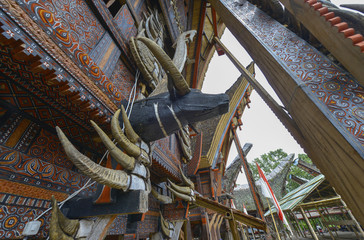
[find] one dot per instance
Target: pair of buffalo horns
(118, 179)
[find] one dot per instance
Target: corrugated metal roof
(296, 196)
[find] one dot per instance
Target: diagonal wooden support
(272, 104)
(253, 188)
(238, 215)
(313, 90)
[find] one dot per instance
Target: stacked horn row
(135, 156)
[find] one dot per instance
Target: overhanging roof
(295, 197)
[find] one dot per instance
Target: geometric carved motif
(166, 157)
(32, 51)
(76, 38)
(21, 168)
(334, 91)
(121, 72)
(48, 148)
(125, 22)
(14, 218)
(46, 113)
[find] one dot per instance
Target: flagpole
(274, 222)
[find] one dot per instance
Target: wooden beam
(253, 188)
(313, 234)
(333, 146)
(198, 45)
(320, 202)
(327, 28)
(133, 13)
(238, 215)
(272, 104)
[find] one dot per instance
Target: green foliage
(270, 160)
(267, 162)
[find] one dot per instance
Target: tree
(271, 160)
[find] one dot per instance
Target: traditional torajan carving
(152, 71)
(152, 118)
(45, 41)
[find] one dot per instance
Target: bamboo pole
(353, 218)
(312, 231)
(323, 218)
(274, 221)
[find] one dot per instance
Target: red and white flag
(268, 193)
(244, 209)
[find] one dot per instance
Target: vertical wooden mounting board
(325, 101)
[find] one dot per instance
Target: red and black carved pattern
(46, 113)
(165, 161)
(176, 210)
(72, 25)
(48, 148)
(29, 131)
(25, 49)
(122, 79)
(125, 22)
(149, 225)
(14, 218)
(118, 226)
(334, 90)
(19, 167)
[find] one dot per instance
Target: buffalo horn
(162, 198)
(186, 180)
(180, 195)
(61, 228)
(129, 131)
(113, 178)
(125, 161)
(184, 190)
(125, 143)
(164, 227)
(179, 82)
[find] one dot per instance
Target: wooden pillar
(353, 218)
(253, 188)
(212, 225)
(205, 235)
(233, 227)
(322, 217)
(312, 231)
(298, 225)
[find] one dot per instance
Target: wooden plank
(343, 47)
(199, 45)
(238, 215)
(301, 76)
(133, 202)
(339, 222)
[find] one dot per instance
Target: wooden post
(249, 176)
(353, 218)
(312, 231)
(205, 226)
(274, 221)
(298, 224)
(322, 217)
(233, 227)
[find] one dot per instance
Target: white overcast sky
(260, 126)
